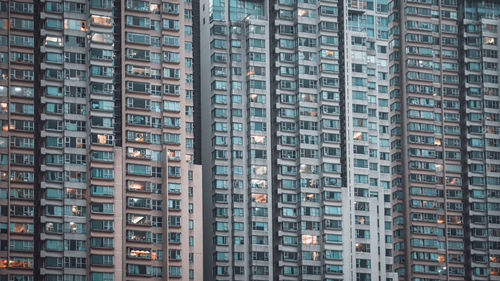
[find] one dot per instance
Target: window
(136, 21)
(170, 24)
(101, 260)
(169, 40)
(101, 276)
(135, 269)
(174, 271)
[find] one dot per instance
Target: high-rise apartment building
(17, 230)
(237, 134)
(99, 180)
(158, 173)
(356, 139)
(480, 137)
(297, 185)
(365, 137)
(444, 139)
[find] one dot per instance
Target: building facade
(340, 140)
(480, 138)
(444, 139)
(100, 177)
(280, 128)
(382, 119)
(235, 126)
(18, 106)
(367, 137)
